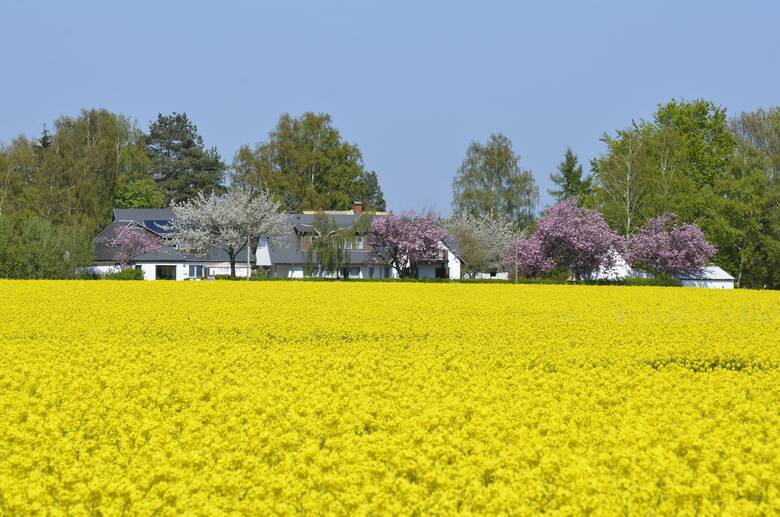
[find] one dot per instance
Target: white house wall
(183, 269)
(499, 275)
(453, 263)
(355, 272)
(263, 253)
(709, 284)
(102, 270)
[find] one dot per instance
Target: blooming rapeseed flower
(279, 398)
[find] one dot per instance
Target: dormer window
(359, 242)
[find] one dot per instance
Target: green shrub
(125, 274)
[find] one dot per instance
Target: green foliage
(125, 274)
(661, 166)
(373, 199)
(705, 135)
(570, 181)
(70, 176)
(760, 131)
(490, 183)
(307, 165)
(180, 163)
(32, 247)
(721, 175)
(742, 215)
(139, 191)
(328, 244)
(256, 276)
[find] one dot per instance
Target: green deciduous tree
(490, 183)
(180, 163)
(760, 130)
(623, 176)
(307, 165)
(716, 173)
(330, 244)
(32, 247)
(139, 191)
(705, 134)
(69, 176)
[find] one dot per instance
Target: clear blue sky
(412, 83)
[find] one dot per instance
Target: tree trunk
(741, 266)
(232, 264)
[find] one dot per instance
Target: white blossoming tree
(483, 240)
(228, 221)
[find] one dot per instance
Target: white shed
(712, 277)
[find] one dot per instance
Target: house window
(165, 272)
(386, 272)
(359, 242)
(354, 272)
(348, 244)
(371, 272)
(196, 271)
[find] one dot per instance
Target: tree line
(689, 160)
(57, 190)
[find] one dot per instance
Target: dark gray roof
(711, 272)
(305, 221)
(123, 217)
(140, 215)
(452, 243)
(284, 250)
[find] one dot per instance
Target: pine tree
(181, 165)
(569, 179)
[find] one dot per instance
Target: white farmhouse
(285, 259)
(167, 263)
(288, 257)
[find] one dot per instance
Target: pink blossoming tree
(570, 237)
(407, 240)
(132, 241)
(526, 258)
(669, 248)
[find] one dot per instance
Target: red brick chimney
(357, 207)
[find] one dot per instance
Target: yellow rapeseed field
(211, 398)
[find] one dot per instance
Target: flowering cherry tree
(132, 241)
(575, 238)
(405, 241)
(229, 221)
(526, 257)
(669, 248)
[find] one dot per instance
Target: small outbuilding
(712, 277)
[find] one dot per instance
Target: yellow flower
(355, 398)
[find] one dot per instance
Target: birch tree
(622, 178)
